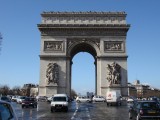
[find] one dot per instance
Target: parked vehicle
(98, 99)
(41, 98)
(20, 99)
(144, 110)
(5, 98)
(14, 98)
(6, 111)
(130, 100)
(83, 99)
(59, 102)
(49, 99)
(29, 101)
(113, 97)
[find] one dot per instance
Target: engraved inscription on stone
(53, 46)
(113, 46)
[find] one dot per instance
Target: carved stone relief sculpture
(52, 73)
(52, 46)
(114, 73)
(113, 46)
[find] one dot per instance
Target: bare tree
(17, 90)
(4, 90)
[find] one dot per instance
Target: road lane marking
(74, 114)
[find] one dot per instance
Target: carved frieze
(113, 46)
(83, 32)
(53, 46)
(72, 41)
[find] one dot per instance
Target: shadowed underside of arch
(83, 47)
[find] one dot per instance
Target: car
(7, 112)
(29, 101)
(98, 99)
(41, 98)
(59, 102)
(130, 100)
(113, 98)
(144, 110)
(83, 99)
(20, 99)
(14, 98)
(49, 99)
(5, 98)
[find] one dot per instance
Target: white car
(130, 100)
(59, 102)
(49, 99)
(99, 99)
(14, 98)
(83, 99)
(20, 99)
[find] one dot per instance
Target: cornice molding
(88, 13)
(83, 25)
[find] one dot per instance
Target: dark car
(29, 101)
(7, 111)
(144, 110)
(5, 98)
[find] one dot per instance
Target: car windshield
(29, 99)
(150, 105)
(22, 97)
(5, 112)
(4, 98)
(59, 99)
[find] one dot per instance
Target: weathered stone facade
(64, 34)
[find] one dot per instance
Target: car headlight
(65, 104)
(52, 104)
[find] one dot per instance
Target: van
(113, 97)
(59, 102)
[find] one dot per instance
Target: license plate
(151, 112)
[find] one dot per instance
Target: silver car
(99, 99)
(6, 111)
(83, 99)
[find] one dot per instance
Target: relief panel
(53, 46)
(114, 46)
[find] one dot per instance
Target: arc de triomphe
(64, 34)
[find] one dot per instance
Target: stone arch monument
(64, 34)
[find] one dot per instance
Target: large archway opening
(83, 73)
(83, 69)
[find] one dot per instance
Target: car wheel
(66, 110)
(52, 110)
(130, 116)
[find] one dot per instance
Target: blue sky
(19, 60)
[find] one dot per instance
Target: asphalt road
(77, 111)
